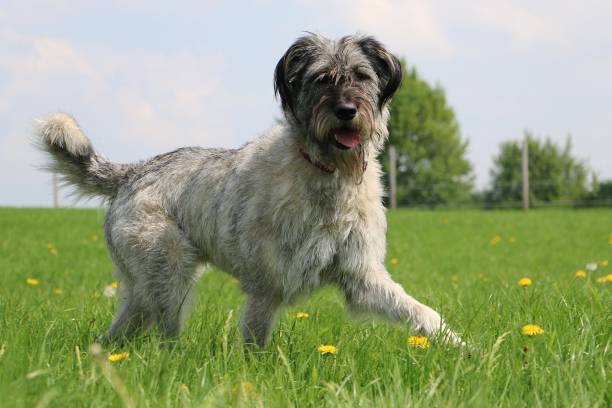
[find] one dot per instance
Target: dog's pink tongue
(349, 139)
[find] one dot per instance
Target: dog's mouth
(347, 139)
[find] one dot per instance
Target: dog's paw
(429, 323)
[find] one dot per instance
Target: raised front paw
(429, 323)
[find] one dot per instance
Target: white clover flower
(109, 291)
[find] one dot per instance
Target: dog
(295, 209)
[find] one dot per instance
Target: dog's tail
(75, 160)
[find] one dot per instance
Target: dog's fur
(291, 211)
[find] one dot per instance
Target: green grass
(446, 259)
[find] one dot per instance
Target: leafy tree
(554, 174)
(432, 168)
(601, 194)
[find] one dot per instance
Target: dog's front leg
(378, 293)
(258, 318)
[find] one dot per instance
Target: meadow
(54, 270)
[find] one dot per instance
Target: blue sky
(144, 77)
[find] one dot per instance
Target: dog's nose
(346, 111)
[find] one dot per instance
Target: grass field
(466, 264)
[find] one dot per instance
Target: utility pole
(55, 192)
(526, 173)
(392, 176)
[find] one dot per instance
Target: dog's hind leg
(159, 266)
(170, 277)
(259, 316)
(378, 293)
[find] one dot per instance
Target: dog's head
(336, 94)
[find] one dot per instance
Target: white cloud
(410, 26)
(146, 102)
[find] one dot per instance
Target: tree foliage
(554, 173)
(432, 168)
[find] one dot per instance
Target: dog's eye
(324, 79)
(362, 76)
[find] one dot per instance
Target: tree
(554, 174)
(432, 168)
(601, 194)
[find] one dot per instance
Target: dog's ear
(388, 68)
(289, 70)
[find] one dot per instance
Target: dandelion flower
(244, 388)
(116, 358)
(523, 282)
(327, 349)
(581, 274)
(394, 261)
(603, 262)
(604, 279)
(58, 291)
(114, 285)
(496, 240)
(531, 330)
(418, 341)
(302, 315)
(591, 266)
(32, 281)
(52, 249)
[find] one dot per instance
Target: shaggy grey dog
(295, 209)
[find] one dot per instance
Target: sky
(145, 77)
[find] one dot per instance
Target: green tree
(432, 168)
(554, 173)
(601, 195)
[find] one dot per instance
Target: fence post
(55, 192)
(392, 177)
(525, 173)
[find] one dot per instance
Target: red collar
(320, 165)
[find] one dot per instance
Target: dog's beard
(332, 149)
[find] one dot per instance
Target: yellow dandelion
(531, 330)
(580, 274)
(302, 315)
(418, 341)
(327, 349)
(32, 281)
(244, 388)
(603, 262)
(114, 285)
(394, 261)
(495, 240)
(604, 279)
(524, 282)
(58, 291)
(116, 358)
(52, 249)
